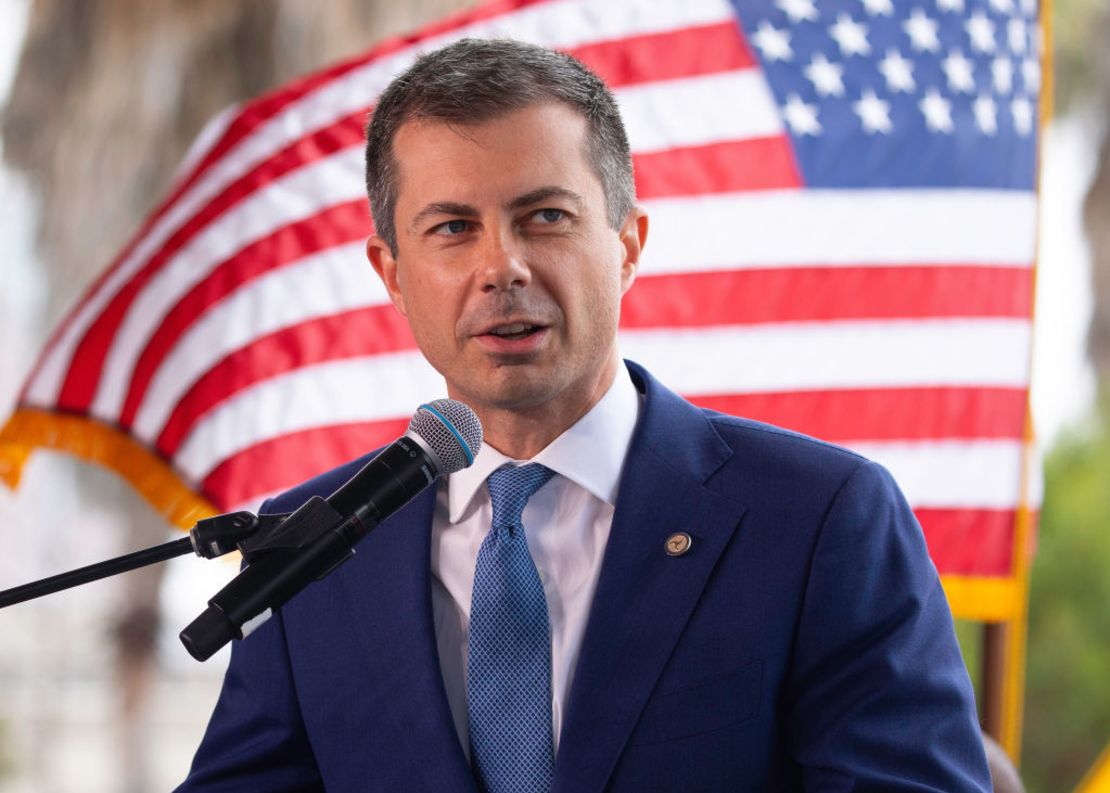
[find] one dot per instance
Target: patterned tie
(508, 678)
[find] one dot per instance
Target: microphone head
(450, 430)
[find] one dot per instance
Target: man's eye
(452, 227)
(549, 215)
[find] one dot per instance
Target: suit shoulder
(750, 431)
(778, 450)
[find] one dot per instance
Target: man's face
(506, 267)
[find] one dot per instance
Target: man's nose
(503, 265)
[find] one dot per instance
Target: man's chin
(510, 390)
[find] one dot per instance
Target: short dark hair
(476, 80)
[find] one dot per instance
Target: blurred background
(100, 102)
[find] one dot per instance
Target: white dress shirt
(566, 524)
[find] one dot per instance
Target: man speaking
(623, 592)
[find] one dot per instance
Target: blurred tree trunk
(109, 94)
(1096, 210)
(107, 97)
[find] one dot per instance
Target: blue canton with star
(904, 93)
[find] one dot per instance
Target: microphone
(443, 437)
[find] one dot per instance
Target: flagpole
(1005, 643)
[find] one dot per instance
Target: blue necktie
(508, 677)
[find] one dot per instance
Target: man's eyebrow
(443, 208)
(542, 194)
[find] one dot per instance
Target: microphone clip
(291, 530)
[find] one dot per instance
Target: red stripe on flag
(730, 166)
(367, 331)
(88, 360)
(807, 294)
(970, 542)
(334, 226)
(876, 414)
(669, 55)
(285, 461)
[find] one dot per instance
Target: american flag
(843, 211)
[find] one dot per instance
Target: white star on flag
(1031, 73)
(827, 78)
(956, 6)
(772, 42)
(1002, 6)
(937, 111)
(850, 35)
(1017, 33)
(873, 113)
(801, 118)
(798, 10)
(1022, 110)
(986, 114)
(898, 72)
(922, 31)
(958, 70)
(981, 32)
(884, 8)
(1003, 73)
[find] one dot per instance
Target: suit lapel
(644, 596)
(388, 595)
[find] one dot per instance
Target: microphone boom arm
(208, 539)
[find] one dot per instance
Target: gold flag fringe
(983, 599)
(99, 443)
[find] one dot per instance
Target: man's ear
(633, 237)
(385, 265)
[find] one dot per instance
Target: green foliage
(970, 636)
(1080, 27)
(1067, 705)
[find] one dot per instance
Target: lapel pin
(678, 543)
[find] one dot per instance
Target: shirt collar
(590, 453)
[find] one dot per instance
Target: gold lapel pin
(678, 543)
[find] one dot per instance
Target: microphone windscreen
(451, 430)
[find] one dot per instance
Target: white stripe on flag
(805, 228)
(829, 355)
(982, 474)
(574, 23)
(339, 279)
(349, 390)
(699, 110)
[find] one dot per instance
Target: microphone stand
(208, 539)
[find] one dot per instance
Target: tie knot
(510, 487)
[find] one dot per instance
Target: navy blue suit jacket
(802, 643)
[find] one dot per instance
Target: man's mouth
(517, 330)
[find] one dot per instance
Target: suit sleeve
(879, 696)
(256, 738)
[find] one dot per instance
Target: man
(720, 604)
